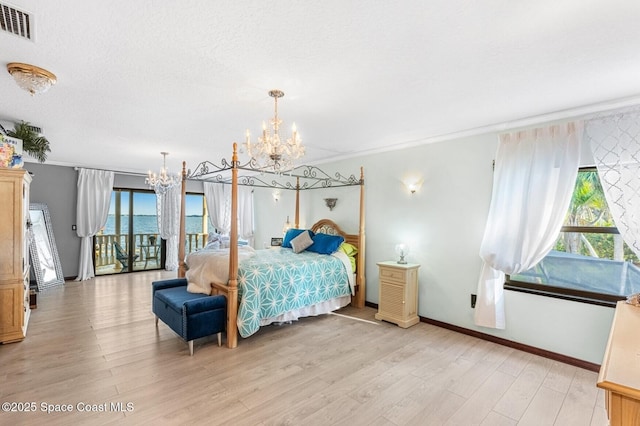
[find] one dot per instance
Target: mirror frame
(33, 249)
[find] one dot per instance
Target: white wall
(443, 222)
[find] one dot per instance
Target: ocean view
(148, 224)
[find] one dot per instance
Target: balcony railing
(105, 253)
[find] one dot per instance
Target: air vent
(35, 129)
(16, 22)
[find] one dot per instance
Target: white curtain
(245, 213)
(218, 198)
(92, 209)
(615, 142)
(533, 183)
(168, 208)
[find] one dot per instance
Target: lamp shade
(402, 250)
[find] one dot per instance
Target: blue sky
(145, 203)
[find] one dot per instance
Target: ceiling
(190, 77)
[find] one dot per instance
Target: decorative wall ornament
(331, 203)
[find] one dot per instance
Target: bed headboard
(327, 226)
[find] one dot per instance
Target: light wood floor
(95, 342)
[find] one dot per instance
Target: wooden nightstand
(398, 293)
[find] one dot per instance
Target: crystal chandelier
(33, 79)
(270, 152)
(162, 181)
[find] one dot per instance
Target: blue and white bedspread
(275, 284)
(276, 281)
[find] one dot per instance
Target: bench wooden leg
(191, 347)
(219, 339)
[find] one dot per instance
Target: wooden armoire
(14, 254)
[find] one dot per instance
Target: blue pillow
(325, 244)
(291, 234)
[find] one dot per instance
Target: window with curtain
(196, 222)
(590, 261)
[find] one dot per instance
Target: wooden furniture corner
(619, 373)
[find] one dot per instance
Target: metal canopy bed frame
(311, 178)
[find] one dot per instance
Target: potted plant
(33, 143)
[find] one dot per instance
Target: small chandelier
(162, 181)
(270, 152)
(33, 79)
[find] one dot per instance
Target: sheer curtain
(245, 213)
(217, 196)
(168, 208)
(535, 174)
(615, 143)
(92, 209)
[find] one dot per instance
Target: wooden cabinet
(619, 375)
(398, 293)
(14, 254)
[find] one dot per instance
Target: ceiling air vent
(35, 129)
(16, 22)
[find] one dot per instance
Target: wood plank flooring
(94, 345)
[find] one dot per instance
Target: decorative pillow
(291, 234)
(213, 245)
(301, 242)
(350, 250)
(326, 244)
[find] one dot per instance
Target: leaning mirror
(44, 254)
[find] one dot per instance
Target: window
(590, 262)
(196, 222)
(130, 241)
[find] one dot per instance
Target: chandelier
(270, 152)
(163, 181)
(33, 79)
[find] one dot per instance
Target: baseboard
(509, 343)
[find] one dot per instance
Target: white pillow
(301, 242)
(213, 245)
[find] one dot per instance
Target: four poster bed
(278, 284)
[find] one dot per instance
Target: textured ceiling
(189, 77)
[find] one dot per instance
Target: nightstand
(398, 293)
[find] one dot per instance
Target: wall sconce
(276, 195)
(413, 185)
(330, 202)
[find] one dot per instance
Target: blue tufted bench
(190, 315)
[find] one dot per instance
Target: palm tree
(32, 143)
(588, 208)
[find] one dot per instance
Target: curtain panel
(535, 173)
(245, 214)
(92, 209)
(218, 199)
(168, 212)
(614, 138)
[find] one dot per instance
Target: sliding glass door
(130, 241)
